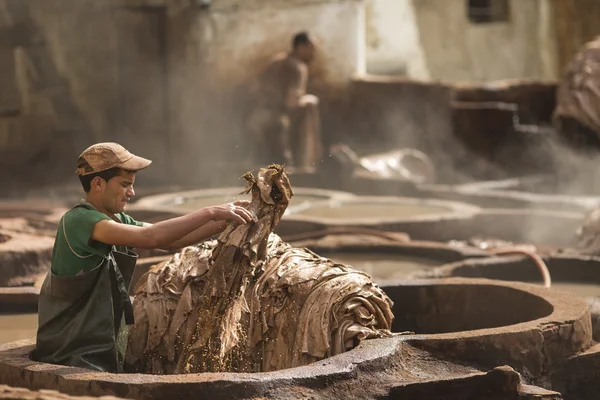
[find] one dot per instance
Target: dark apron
(81, 317)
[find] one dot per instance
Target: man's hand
(309, 99)
(235, 212)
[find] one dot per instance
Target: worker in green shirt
(84, 304)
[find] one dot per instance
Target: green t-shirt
(74, 251)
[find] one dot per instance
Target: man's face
(307, 52)
(118, 192)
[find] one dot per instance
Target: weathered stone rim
(531, 347)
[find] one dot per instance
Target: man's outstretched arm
(170, 234)
(198, 235)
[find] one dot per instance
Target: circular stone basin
(366, 209)
(366, 251)
(544, 228)
(381, 266)
(373, 209)
(455, 321)
(184, 202)
(509, 194)
(369, 207)
(576, 274)
(439, 309)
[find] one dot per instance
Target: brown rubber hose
(540, 264)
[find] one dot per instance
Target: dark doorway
(486, 11)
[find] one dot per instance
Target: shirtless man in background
(285, 123)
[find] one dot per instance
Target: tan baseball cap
(103, 156)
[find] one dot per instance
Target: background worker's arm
(297, 83)
(166, 233)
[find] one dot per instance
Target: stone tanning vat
(467, 338)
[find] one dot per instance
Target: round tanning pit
(421, 219)
(365, 209)
(381, 266)
(382, 258)
(463, 327)
(574, 274)
(579, 275)
(532, 192)
(437, 309)
(185, 202)
(157, 208)
(434, 219)
(543, 228)
(491, 323)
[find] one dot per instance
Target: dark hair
(86, 180)
(301, 38)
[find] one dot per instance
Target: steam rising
(174, 84)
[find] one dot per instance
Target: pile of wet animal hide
(250, 302)
(578, 95)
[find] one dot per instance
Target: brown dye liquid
(15, 327)
(372, 210)
(194, 203)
